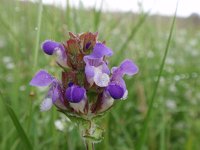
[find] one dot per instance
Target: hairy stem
(89, 144)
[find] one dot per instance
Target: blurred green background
(174, 122)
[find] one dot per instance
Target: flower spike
(87, 88)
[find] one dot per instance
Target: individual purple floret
(115, 91)
(75, 93)
(54, 96)
(54, 48)
(96, 68)
(117, 86)
(76, 96)
(49, 46)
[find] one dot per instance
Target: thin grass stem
(152, 99)
(39, 22)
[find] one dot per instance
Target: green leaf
(17, 124)
(18, 127)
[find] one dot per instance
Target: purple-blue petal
(100, 50)
(49, 46)
(88, 59)
(89, 71)
(56, 93)
(126, 67)
(115, 91)
(118, 81)
(105, 68)
(42, 78)
(89, 67)
(75, 94)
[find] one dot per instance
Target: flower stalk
(89, 144)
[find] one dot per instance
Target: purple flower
(76, 96)
(106, 102)
(83, 60)
(117, 86)
(54, 96)
(100, 50)
(54, 48)
(96, 68)
(49, 47)
(41, 78)
(115, 91)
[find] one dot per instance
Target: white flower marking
(101, 79)
(46, 104)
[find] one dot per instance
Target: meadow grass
(174, 121)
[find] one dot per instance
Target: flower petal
(101, 79)
(105, 68)
(56, 92)
(125, 95)
(97, 71)
(91, 68)
(107, 102)
(126, 67)
(89, 72)
(92, 61)
(56, 95)
(49, 46)
(79, 107)
(115, 91)
(42, 78)
(54, 48)
(75, 94)
(100, 50)
(46, 104)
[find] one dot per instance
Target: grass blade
(76, 21)
(68, 14)
(17, 124)
(148, 116)
(39, 22)
(97, 16)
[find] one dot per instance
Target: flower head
(88, 87)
